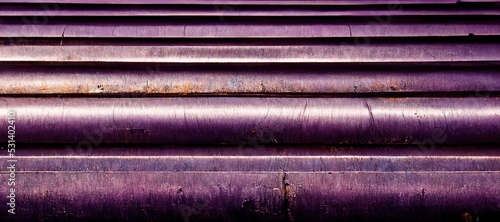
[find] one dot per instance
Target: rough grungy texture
(246, 80)
(283, 184)
(252, 110)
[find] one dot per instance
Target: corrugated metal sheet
(243, 110)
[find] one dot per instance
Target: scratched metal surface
(224, 183)
(249, 27)
(175, 80)
(230, 120)
(229, 11)
(252, 110)
(256, 53)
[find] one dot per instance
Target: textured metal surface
(300, 158)
(246, 80)
(246, 53)
(224, 184)
(239, 11)
(250, 110)
(232, 120)
(247, 28)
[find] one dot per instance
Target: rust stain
(395, 99)
(377, 87)
(186, 88)
(149, 88)
(394, 85)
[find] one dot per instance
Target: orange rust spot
(149, 88)
(377, 87)
(66, 88)
(394, 85)
(186, 88)
(180, 89)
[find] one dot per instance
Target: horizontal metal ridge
(245, 80)
(249, 2)
(248, 30)
(223, 12)
(271, 158)
(258, 196)
(230, 120)
(309, 182)
(335, 53)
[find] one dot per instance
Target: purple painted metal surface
(284, 184)
(229, 11)
(232, 120)
(241, 10)
(251, 110)
(246, 53)
(248, 2)
(63, 27)
(246, 80)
